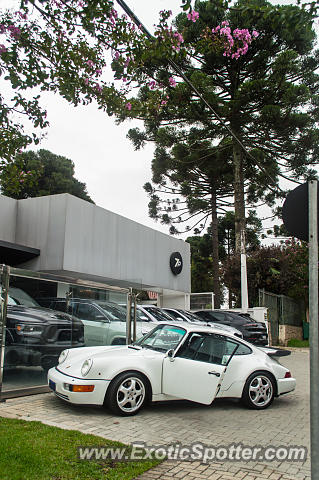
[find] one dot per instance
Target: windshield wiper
(135, 347)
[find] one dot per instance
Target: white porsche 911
(171, 362)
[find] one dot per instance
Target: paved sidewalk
(225, 422)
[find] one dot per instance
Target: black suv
(37, 336)
(253, 332)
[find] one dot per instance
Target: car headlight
(63, 356)
(86, 366)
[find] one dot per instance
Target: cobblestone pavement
(222, 423)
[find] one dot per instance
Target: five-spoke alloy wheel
(127, 393)
(259, 390)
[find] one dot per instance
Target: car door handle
(217, 374)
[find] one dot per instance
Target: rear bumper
(61, 383)
(286, 385)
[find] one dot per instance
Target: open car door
(197, 369)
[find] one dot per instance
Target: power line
(178, 70)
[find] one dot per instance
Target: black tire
(259, 391)
(127, 394)
(48, 362)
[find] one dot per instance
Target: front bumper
(61, 382)
(286, 385)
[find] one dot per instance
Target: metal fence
(201, 301)
(282, 310)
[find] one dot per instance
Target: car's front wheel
(127, 394)
(259, 391)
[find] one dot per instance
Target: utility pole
(314, 332)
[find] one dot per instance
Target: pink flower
(98, 87)
(3, 49)
(172, 82)
(116, 55)
(98, 72)
(86, 81)
(21, 15)
(90, 63)
(193, 16)
(152, 84)
(15, 32)
(255, 34)
(128, 106)
(163, 102)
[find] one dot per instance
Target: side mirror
(170, 354)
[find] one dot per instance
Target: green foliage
(201, 263)
(269, 98)
(280, 269)
(35, 174)
(294, 342)
(226, 233)
(33, 451)
(202, 269)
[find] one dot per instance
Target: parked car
(156, 314)
(185, 316)
(17, 296)
(36, 336)
(173, 361)
(104, 322)
(252, 331)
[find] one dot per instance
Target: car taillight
(288, 375)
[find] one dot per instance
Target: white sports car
(171, 362)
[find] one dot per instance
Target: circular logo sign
(176, 263)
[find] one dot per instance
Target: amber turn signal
(82, 388)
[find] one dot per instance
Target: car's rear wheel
(259, 391)
(127, 394)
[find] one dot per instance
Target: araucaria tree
(267, 96)
(253, 63)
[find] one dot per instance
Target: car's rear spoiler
(275, 352)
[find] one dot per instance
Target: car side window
(243, 350)
(218, 316)
(172, 313)
(87, 312)
(208, 348)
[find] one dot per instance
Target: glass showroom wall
(41, 315)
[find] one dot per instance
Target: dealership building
(65, 236)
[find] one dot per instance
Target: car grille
(63, 333)
(65, 397)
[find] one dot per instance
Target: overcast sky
(104, 158)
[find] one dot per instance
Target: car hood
(100, 355)
(39, 315)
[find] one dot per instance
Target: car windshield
(159, 314)
(20, 297)
(140, 316)
(112, 310)
(191, 316)
(162, 338)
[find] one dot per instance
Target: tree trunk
(215, 249)
(239, 195)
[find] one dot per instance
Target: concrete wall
(287, 332)
(8, 214)
(80, 239)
